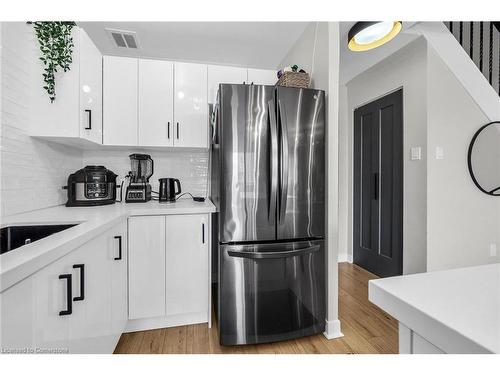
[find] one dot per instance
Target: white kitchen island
(451, 311)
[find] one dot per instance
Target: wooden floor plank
(366, 328)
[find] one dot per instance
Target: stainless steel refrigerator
(268, 184)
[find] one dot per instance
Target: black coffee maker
(168, 190)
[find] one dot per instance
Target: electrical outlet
(493, 250)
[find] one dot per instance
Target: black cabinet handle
(82, 282)
(119, 238)
(89, 126)
(69, 295)
(168, 130)
(177, 130)
(203, 233)
(375, 186)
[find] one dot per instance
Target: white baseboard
(166, 321)
(332, 329)
(345, 258)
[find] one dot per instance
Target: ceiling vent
(123, 38)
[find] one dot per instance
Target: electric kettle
(168, 190)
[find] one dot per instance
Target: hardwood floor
(366, 328)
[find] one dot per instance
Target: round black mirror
(484, 158)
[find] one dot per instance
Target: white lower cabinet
(168, 271)
(187, 264)
(146, 266)
(74, 304)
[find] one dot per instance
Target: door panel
(190, 103)
(156, 103)
(119, 101)
(378, 185)
(247, 211)
(90, 323)
(90, 89)
(118, 260)
(271, 292)
(146, 266)
(186, 265)
(301, 199)
(51, 329)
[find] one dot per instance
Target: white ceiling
(354, 63)
(250, 44)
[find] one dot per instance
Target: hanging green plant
(56, 47)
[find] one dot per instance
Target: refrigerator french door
(268, 184)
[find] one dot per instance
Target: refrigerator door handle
(273, 254)
(284, 162)
(273, 158)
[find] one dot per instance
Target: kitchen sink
(16, 236)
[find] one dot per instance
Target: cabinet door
(60, 118)
(223, 74)
(117, 256)
(90, 323)
(156, 103)
(190, 105)
(262, 77)
(186, 264)
(90, 90)
(17, 314)
(119, 101)
(146, 266)
(51, 329)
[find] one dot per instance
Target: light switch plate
(439, 153)
(493, 250)
(416, 153)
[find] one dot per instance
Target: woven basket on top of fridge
(294, 79)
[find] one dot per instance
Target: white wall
(310, 52)
(407, 69)
(189, 166)
(32, 172)
(462, 221)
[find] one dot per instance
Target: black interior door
(378, 185)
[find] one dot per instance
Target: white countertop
(457, 310)
(24, 261)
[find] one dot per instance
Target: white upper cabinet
(90, 90)
(190, 105)
(262, 77)
(156, 103)
(120, 89)
(223, 74)
(76, 110)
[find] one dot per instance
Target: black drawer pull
(119, 238)
(168, 130)
(89, 126)
(69, 295)
(177, 130)
(203, 233)
(82, 282)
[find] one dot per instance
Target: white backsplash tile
(189, 166)
(32, 171)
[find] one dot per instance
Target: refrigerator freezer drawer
(271, 292)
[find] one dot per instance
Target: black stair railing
(481, 41)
